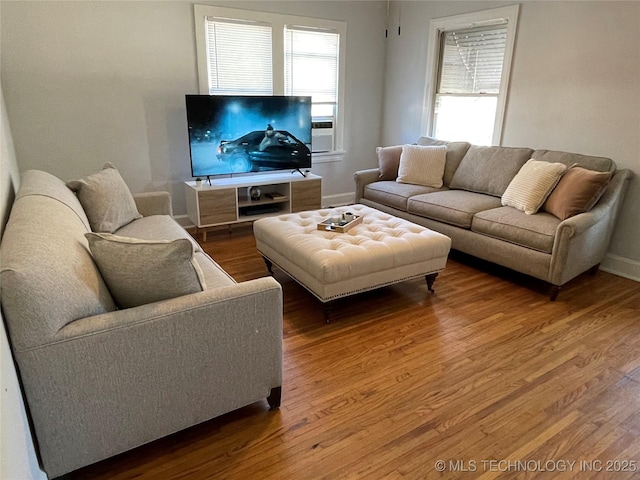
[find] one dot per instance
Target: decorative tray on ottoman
(340, 227)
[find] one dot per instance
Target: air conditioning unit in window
(322, 136)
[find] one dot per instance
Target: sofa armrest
(153, 203)
(582, 240)
(364, 178)
(114, 381)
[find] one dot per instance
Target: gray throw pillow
(106, 200)
(138, 272)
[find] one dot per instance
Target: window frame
(468, 20)
(278, 23)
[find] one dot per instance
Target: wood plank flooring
(486, 375)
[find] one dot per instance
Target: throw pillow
(138, 272)
(532, 185)
(489, 169)
(389, 161)
(578, 191)
(422, 165)
(106, 200)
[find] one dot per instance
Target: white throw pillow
(106, 200)
(532, 185)
(138, 272)
(422, 165)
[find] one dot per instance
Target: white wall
(88, 82)
(17, 453)
(575, 86)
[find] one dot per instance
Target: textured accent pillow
(138, 272)
(577, 191)
(422, 165)
(388, 161)
(106, 200)
(532, 185)
(455, 153)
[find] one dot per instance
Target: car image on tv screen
(264, 149)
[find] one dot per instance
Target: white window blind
(469, 78)
(239, 57)
(311, 59)
(472, 60)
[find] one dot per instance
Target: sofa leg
(553, 294)
(430, 279)
(593, 270)
(275, 397)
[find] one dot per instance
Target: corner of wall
(17, 451)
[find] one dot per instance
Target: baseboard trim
(338, 199)
(621, 266)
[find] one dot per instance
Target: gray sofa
(468, 209)
(100, 380)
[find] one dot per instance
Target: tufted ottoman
(380, 251)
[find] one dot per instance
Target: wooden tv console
(226, 201)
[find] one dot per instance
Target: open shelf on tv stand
(226, 201)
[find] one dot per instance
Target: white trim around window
(507, 15)
(278, 23)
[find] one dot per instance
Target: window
(311, 68)
(257, 53)
(469, 64)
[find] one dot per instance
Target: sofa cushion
(578, 191)
(156, 227)
(532, 185)
(489, 169)
(456, 207)
(422, 165)
(145, 271)
(600, 164)
(507, 223)
(455, 153)
(389, 161)
(106, 199)
(48, 277)
(394, 194)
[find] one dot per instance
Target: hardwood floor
(484, 372)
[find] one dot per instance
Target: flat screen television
(231, 134)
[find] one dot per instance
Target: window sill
(326, 157)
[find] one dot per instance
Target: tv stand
(304, 174)
(226, 201)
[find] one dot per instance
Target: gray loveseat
(100, 380)
(468, 209)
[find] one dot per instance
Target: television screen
(238, 134)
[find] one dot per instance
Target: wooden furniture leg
(430, 279)
(553, 294)
(269, 265)
(275, 397)
(326, 310)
